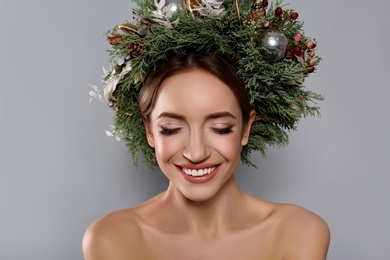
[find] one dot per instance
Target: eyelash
(222, 131)
(172, 131)
(169, 131)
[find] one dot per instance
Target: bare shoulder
(305, 234)
(114, 236)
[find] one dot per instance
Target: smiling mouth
(199, 172)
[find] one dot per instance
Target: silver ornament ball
(276, 43)
(176, 4)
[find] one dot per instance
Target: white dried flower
(95, 93)
(112, 81)
(211, 8)
(113, 133)
(164, 13)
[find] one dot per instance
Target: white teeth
(200, 172)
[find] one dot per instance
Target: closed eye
(222, 131)
(169, 131)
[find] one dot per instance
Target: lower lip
(200, 179)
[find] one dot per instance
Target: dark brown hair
(223, 68)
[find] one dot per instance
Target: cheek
(166, 147)
(228, 146)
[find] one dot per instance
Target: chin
(200, 195)
(203, 192)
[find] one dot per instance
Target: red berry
(289, 54)
(311, 45)
(279, 11)
(265, 3)
(294, 15)
(297, 50)
(298, 37)
(310, 70)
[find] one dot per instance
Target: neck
(210, 217)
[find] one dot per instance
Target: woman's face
(197, 131)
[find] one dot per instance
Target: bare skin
(211, 219)
(171, 227)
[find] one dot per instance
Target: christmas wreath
(273, 57)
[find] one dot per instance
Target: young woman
(197, 137)
(195, 91)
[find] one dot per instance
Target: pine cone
(257, 14)
(115, 39)
(135, 48)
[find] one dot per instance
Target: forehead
(196, 93)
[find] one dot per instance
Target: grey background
(59, 171)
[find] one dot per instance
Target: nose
(196, 149)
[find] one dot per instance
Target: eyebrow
(210, 116)
(219, 115)
(171, 115)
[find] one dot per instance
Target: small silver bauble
(276, 43)
(175, 4)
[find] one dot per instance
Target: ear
(149, 133)
(247, 128)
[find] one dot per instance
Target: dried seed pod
(115, 39)
(127, 28)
